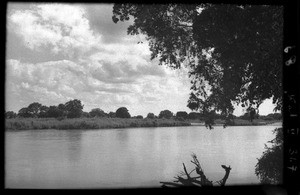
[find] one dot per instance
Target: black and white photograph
(121, 96)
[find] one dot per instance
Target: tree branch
(200, 180)
(227, 171)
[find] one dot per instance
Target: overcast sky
(59, 52)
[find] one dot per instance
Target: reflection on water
(129, 157)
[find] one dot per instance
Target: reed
(88, 123)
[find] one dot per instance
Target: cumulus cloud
(58, 81)
(99, 72)
(63, 27)
(100, 18)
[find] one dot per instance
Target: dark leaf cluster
(269, 168)
(233, 52)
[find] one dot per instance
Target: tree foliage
(55, 112)
(182, 114)
(97, 112)
(269, 168)
(24, 112)
(10, 114)
(165, 114)
(122, 113)
(85, 114)
(73, 108)
(139, 117)
(195, 115)
(250, 114)
(43, 111)
(150, 115)
(112, 115)
(272, 116)
(35, 108)
(233, 52)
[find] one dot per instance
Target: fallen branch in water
(200, 180)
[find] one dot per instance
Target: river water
(130, 158)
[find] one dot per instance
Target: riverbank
(110, 123)
(255, 122)
(88, 123)
(239, 122)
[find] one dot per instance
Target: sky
(60, 52)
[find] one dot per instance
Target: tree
(165, 114)
(122, 113)
(62, 107)
(10, 114)
(150, 115)
(55, 112)
(252, 114)
(25, 112)
(233, 52)
(249, 115)
(73, 108)
(97, 112)
(139, 117)
(275, 116)
(209, 119)
(85, 114)
(43, 112)
(34, 109)
(112, 115)
(270, 164)
(182, 114)
(195, 115)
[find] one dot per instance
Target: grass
(242, 122)
(88, 123)
(108, 123)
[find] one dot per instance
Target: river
(131, 157)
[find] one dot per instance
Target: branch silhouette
(185, 178)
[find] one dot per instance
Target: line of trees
(71, 109)
(74, 109)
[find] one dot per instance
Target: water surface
(133, 157)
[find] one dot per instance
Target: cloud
(55, 82)
(123, 71)
(45, 81)
(100, 18)
(63, 27)
(100, 72)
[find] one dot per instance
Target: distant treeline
(74, 109)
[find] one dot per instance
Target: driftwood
(199, 180)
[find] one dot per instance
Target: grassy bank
(240, 122)
(107, 123)
(88, 123)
